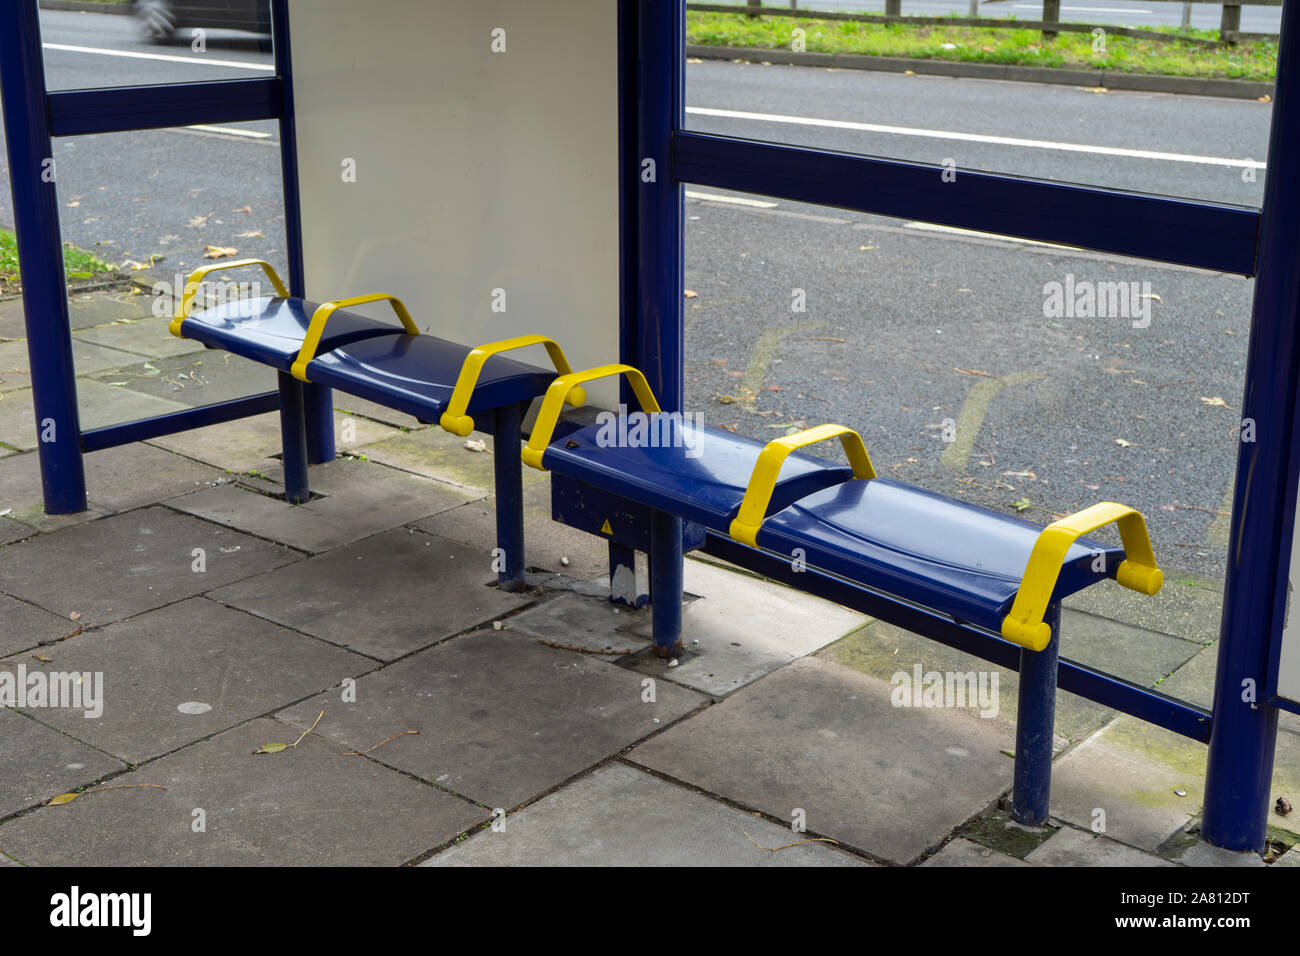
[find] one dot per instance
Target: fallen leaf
(253, 234)
(271, 748)
(473, 444)
(1122, 443)
(219, 252)
(865, 248)
(691, 295)
(243, 209)
(1216, 401)
(62, 799)
(198, 221)
(1020, 505)
(43, 659)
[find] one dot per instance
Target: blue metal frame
(1239, 775)
(40, 251)
(1200, 234)
(33, 117)
(651, 76)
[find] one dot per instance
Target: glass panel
(157, 41)
(1196, 146)
(1029, 379)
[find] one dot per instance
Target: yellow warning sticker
(605, 528)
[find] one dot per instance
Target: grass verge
(1246, 61)
(81, 266)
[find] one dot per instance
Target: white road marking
(231, 131)
(979, 138)
(130, 55)
(973, 233)
(734, 200)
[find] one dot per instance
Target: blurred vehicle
(160, 19)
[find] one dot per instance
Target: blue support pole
(508, 475)
(1035, 727)
(40, 253)
(1240, 767)
(660, 328)
(666, 583)
(293, 439)
(318, 401)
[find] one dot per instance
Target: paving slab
(20, 494)
(1071, 847)
(889, 781)
(590, 623)
(305, 806)
(1144, 657)
(745, 627)
(11, 530)
(24, 625)
(1133, 771)
(187, 671)
(1291, 858)
(386, 596)
(195, 378)
(351, 405)
(253, 444)
(37, 763)
(85, 310)
(500, 720)
(548, 543)
(619, 816)
(148, 338)
(1194, 683)
(1188, 610)
(436, 453)
(965, 853)
(88, 359)
(117, 479)
(1202, 854)
(364, 499)
(116, 567)
(100, 406)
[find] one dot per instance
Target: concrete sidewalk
(420, 715)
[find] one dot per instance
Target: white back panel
(475, 170)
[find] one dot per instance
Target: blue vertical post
(1244, 731)
(508, 476)
(40, 254)
(293, 439)
(318, 401)
(660, 353)
(1035, 727)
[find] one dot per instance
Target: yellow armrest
(198, 275)
(753, 507)
(1023, 624)
(316, 328)
(454, 418)
(549, 414)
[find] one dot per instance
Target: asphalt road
(904, 327)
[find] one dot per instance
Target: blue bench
(992, 572)
(430, 378)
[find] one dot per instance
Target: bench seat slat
(701, 474)
(955, 558)
(270, 329)
(416, 374)
(924, 547)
